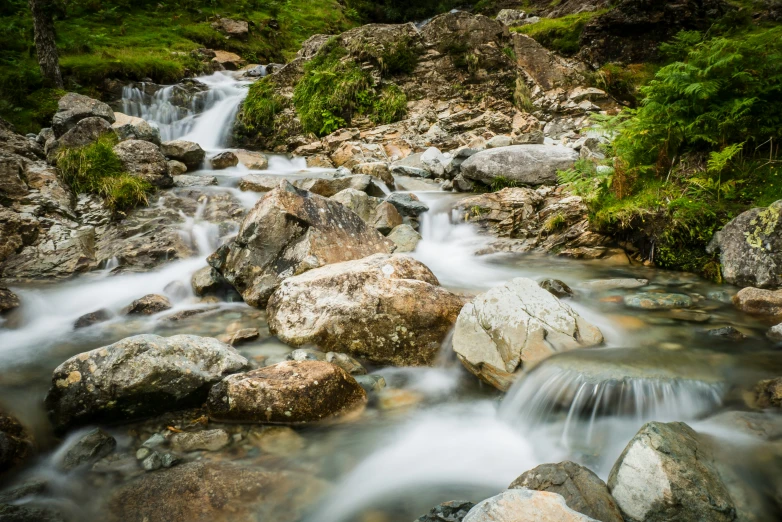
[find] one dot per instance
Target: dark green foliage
(262, 106)
(560, 34)
(397, 11)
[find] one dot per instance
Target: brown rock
(8, 300)
(768, 393)
(148, 305)
(229, 61)
(252, 160)
(234, 28)
(386, 218)
(144, 159)
(16, 443)
(759, 302)
(224, 160)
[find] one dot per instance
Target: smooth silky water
(450, 437)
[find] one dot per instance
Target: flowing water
(440, 435)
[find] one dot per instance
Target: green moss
(559, 34)
(390, 106)
(262, 106)
(125, 192)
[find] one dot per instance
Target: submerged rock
(188, 152)
(289, 232)
(655, 301)
(516, 505)
(525, 164)
(88, 449)
(205, 440)
(768, 393)
(137, 377)
(582, 490)
(666, 474)
(512, 327)
(290, 392)
(756, 301)
(614, 284)
(388, 309)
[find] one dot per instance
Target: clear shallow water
(435, 434)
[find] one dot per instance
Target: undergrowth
(560, 34)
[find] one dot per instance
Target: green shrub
(559, 34)
(390, 106)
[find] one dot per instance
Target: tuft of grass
(125, 192)
(560, 34)
(501, 182)
(262, 106)
(390, 106)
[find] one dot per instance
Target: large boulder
(72, 108)
(756, 301)
(387, 309)
(512, 327)
(137, 377)
(144, 160)
(289, 232)
(188, 152)
(516, 505)
(524, 164)
(133, 128)
(16, 443)
(666, 474)
(252, 160)
(582, 490)
(290, 392)
(85, 132)
(750, 248)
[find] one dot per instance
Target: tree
(45, 45)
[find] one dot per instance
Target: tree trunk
(45, 45)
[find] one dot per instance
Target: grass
(262, 106)
(560, 34)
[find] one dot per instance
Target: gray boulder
(224, 160)
(666, 474)
(407, 204)
(289, 232)
(137, 377)
(133, 128)
(72, 108)
(517, 505)
(144, 160)
(523, 164)
(405, 238)
(188, 152)
(85, 132)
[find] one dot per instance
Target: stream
(441, 435)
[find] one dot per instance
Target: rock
(452, 511)
(234, 28)
(511, 17)
(8, 300)
(462, 185)
(665, 474)
(499, 141)
(176, 168)
(386, 218)
(524, 164)
(144, 160)
(371, 383)
(290, 392)
(376, 169)
(655, 301)
(87, 450)
(388, 309)
(224, 160)
(137, 377)
(153, 462)
(228, 61)
(762, 425)
(16, 443)
(556, 287)
(759, 302)
(207, 491)
(614, 284)
(208, 281)
(252, 160)
(186, 181)
(346, 362)
(582, 490)
(92, 318)
(768, 393)
(278, 440)
(72, 108)
(728, 333)
(188, 152)
(133, 128)
(512, 327)
(206, 440)
(434, 162)
(359, 202)
(774, 333)
(288, 232)
(242, 336)
(148, 305)
(28, 513)
(750, 248)
(85, 132)
(307, 354)
(407, 204)
(323, 186)
(517, 505)
(405, 238)
(413, 172)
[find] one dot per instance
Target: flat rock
(148, 305)
(524, 164)
(185, 181)
(655, 301)
(757, 301)
(205, 440)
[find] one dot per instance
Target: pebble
(152, 462)
(614, 284)
(371, 383)
(556, 287)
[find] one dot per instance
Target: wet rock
(144, 159)
(153, 462)
(523, 504)
(136, 377)
(665, 473)
(225, 60)
(188, 152)
(774, 333)
(407, 204)
(388, 309)
(556, 287)
(763, 425)
(655, 301)
(194, 181)
(85, 132)
(277, 440)
(376, 169)
(88, 449)
(512, 327)
(525, 164)
(29, 513)
(252, 160)
(208, 281)
(688, 316)
(371, 383)
(290, 392)
(288, 232)
(176, 168)
(768, 393)
(306, 354)
(582, 490)
(359, 202)
(148, 305)
(346, 362)
(727, 332)
(233, 28)
(405, 237)
(614, 284)
(16, 443)
(386, 218)
(750, 248)
(214, 490)
(759, 302)
(245, 335)
(323, 186)
(8, 300)
(133, 128)
(72, 108)
(452, 511)
(206, 440)
(224, 160)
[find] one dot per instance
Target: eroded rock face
(138, 376)
(188, 152)
(290, 392)
(526, 164)
(387, 309)
(289, 232)
(72, 108)
(515, 505)
(144, 159)
(582, 490)
(750, 248)
(666, 474)
(515, 326)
